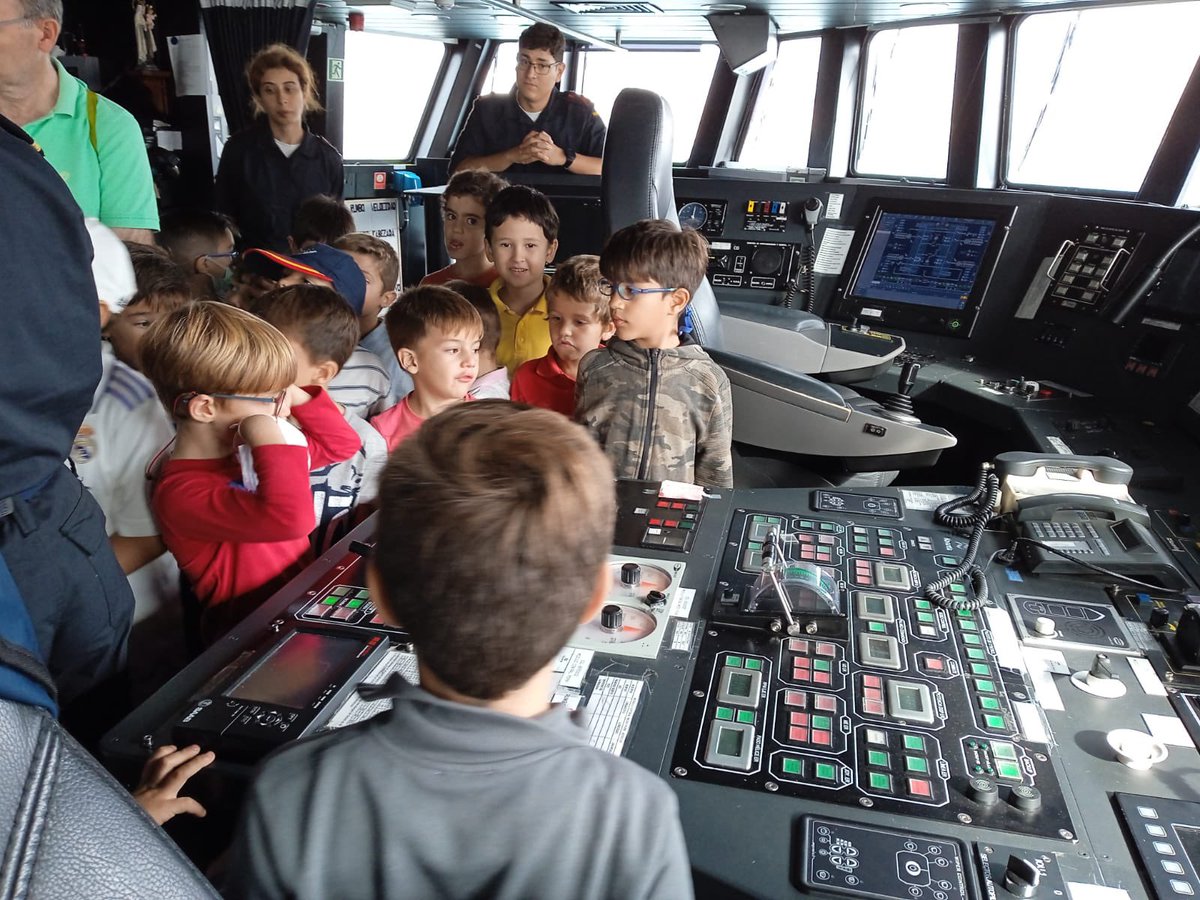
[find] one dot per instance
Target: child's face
(125, 332)
(521, 252)
(379, 296)
(443, 365)
(462, 227)
(575, 329)
(647, 319)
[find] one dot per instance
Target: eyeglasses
(541, 68)
(224, 259)
(277, 399)
(628, 292)
(15, 21)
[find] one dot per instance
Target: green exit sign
(337, 69)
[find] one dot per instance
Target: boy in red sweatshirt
(237, 521)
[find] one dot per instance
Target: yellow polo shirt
(522, 338)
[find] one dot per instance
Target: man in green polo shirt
(94, 144)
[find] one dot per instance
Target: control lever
(772, 563)
(1021, 877)
(900, 402)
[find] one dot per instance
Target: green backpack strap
(93, 100)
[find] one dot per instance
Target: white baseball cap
(111, 267)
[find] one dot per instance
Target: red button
(822, 738)
(825, 539)
(824, 649)
(822, 556)
(873, 707)
(672, 523)
(862, 565)
(872, 681)
(934, 664)
(807, 553)
(799, 735)
(799, 719)
(796, 698)
(919, 787)
(802, 662)
(821, 677)
(825, 703)
(805, 538)
(663, 504)
(676, 506)
(862, 579)
(873, 693)
(800, 674)
(656, 521)
(798, 646)
(886, 551)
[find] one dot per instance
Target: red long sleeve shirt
(235, 544)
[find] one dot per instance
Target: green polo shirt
(111, 182)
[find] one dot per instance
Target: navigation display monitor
(299, 670)
(924, 266)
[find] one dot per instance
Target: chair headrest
(636, 179)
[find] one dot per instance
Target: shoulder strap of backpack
(93, 100)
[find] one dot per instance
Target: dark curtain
(237, 29)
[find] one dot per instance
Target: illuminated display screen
(729, 742)
(298, 671)
(909, 699)
(739, 685)
(1189, 839)
(925, 260)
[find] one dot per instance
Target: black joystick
(1021, 877)
(983, 791)
(631, 574)
(1026, 799)
(1187, 634)
(901, 402)
(611, 617)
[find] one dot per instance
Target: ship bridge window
(1093, 90)
(681, 76)
(503, 72)
(781, 123)
(908, 86)
(1190, 196)
(377, 66)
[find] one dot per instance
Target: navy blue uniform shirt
(497, 123)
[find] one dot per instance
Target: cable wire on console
(984, 499)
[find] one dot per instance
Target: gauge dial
(693, 215)
(651, 578)
(635, 625)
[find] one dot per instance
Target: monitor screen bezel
(850, 305)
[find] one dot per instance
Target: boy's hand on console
(259, 431)
(163, 777)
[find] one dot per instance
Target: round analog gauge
(635, 625)
(652, 579)
(693, 215)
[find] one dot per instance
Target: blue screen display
(923, 260)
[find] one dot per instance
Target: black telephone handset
(1106, 531)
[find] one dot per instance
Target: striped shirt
(363, 386)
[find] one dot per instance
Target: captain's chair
(776, 408)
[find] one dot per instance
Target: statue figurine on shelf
(144, 17)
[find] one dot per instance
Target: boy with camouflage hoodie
(653, 398)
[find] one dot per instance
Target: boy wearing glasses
(535, 127)
(655, 401)
(202, 242)
(227, 377)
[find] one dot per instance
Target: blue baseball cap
(325, 263)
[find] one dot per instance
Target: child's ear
(407, 359)
(551, 250)
(609, 330)
(324, 372)
(389, 298)
(599, 593)
(201, 408)
(678, 300)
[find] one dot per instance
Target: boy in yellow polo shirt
(522, 235)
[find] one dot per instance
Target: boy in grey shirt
(473, 785)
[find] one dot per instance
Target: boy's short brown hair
(189, 233)
(579, 279)
(208, 347)
(379, 250)
(162, 284)
(478, 183)
(314, 316)
(478, 478)
(425, 307)
(320, 219)
(543, 36)
(656, 250)
(520, 201)
(481, 298)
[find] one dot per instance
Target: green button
(331, 601)
(967, 625)
(807, 524)
(877, 758)
(828, 526)
(917, 764)
(745, 716)
(993, 721)
(753, 545)
(758, 518)
(980, 669)
(956, 588)
(972, 640)
(725, 713)
(880, 782)
(914, 742)
(793, 766)
(822, 723)
(975, 653)
(985, 686)
(822, 665)
(687, 525)
(754, 664)
(363, 594)
(356, 603)
(735, 661)
(1008, 769)
(1003, 750)
(989, 703)
(826, 771)
(877, 627)
(926, 618)
(922, 604)
(963, 613)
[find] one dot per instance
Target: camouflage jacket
(659, 414)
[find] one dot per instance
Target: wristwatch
(569, 158)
